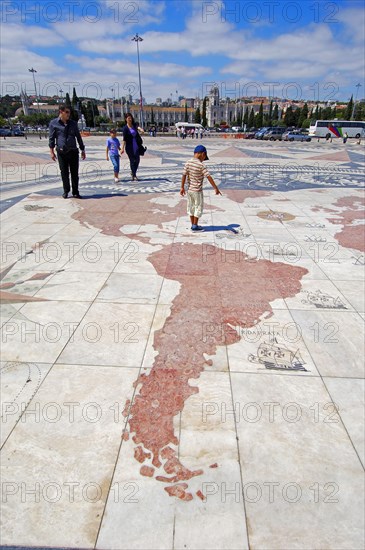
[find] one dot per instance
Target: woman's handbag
(141, 148)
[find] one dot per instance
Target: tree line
(299, 117)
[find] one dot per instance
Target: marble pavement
(169, 390)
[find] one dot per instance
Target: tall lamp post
(61, 96)
(113, 113)
(35, 86)
(353, 108)
(138, 39)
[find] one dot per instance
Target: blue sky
(301, 49)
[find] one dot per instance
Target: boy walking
(112, 152)
(195, 172)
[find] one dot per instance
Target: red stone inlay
(230, 152)
(178, 491)
(218, 290)
(147, 471)
(140, 455)
(341, 156)
(215, 465)
(352, 235)
(240, 195)
(201, 496)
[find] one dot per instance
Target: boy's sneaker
(116, 180)
(197, 228)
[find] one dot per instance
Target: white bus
(337, 128)
(188, 126)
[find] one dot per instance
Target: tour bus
(337, 128)
(188, 126)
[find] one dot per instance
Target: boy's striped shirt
(195, 171)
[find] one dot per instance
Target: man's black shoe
(65, 195)
(77, 196)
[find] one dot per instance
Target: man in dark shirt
(63, 134)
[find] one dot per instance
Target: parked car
(275, 134)
(5, 132)
(260, 133)
(250, 135)
(17, 132)
(296, 136)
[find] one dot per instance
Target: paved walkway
(169, 390)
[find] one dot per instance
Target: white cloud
(15, 35)
(354, 21)
(136, 12)
(124, 66)
(316, 52)
(16, 62)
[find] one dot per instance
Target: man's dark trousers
(69, 163)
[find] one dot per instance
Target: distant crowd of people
(183, 133)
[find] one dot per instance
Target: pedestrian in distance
(197, 133)
(195, 172)
(113, 152)
(132, 142)
(345, 137)
(63, 134)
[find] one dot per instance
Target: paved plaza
(169, 390)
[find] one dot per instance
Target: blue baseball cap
(201, 149)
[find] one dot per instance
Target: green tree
(275, 115)
(327, 113)
(303, 115)
(245, 117)
(349, 108)
(75, 106)
(197, 117)
(359, 113)
(101, 120)
(186, 119)
(270, 113)
(289, 118)
(9, 105)
(68, 103)
(89, 114)
(75, 99)
(239, 116)
(152, 116)
(204, 114)
(296, 117)
(251, 118)
(2, 122)
(260, 116)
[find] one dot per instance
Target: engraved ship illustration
(278, 357)
(322, 300)
(279, 251)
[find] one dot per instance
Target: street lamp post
(61, 96)
(138, 39)
(113, 114)
(353, 108)
(35, 86)
(92, 108)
